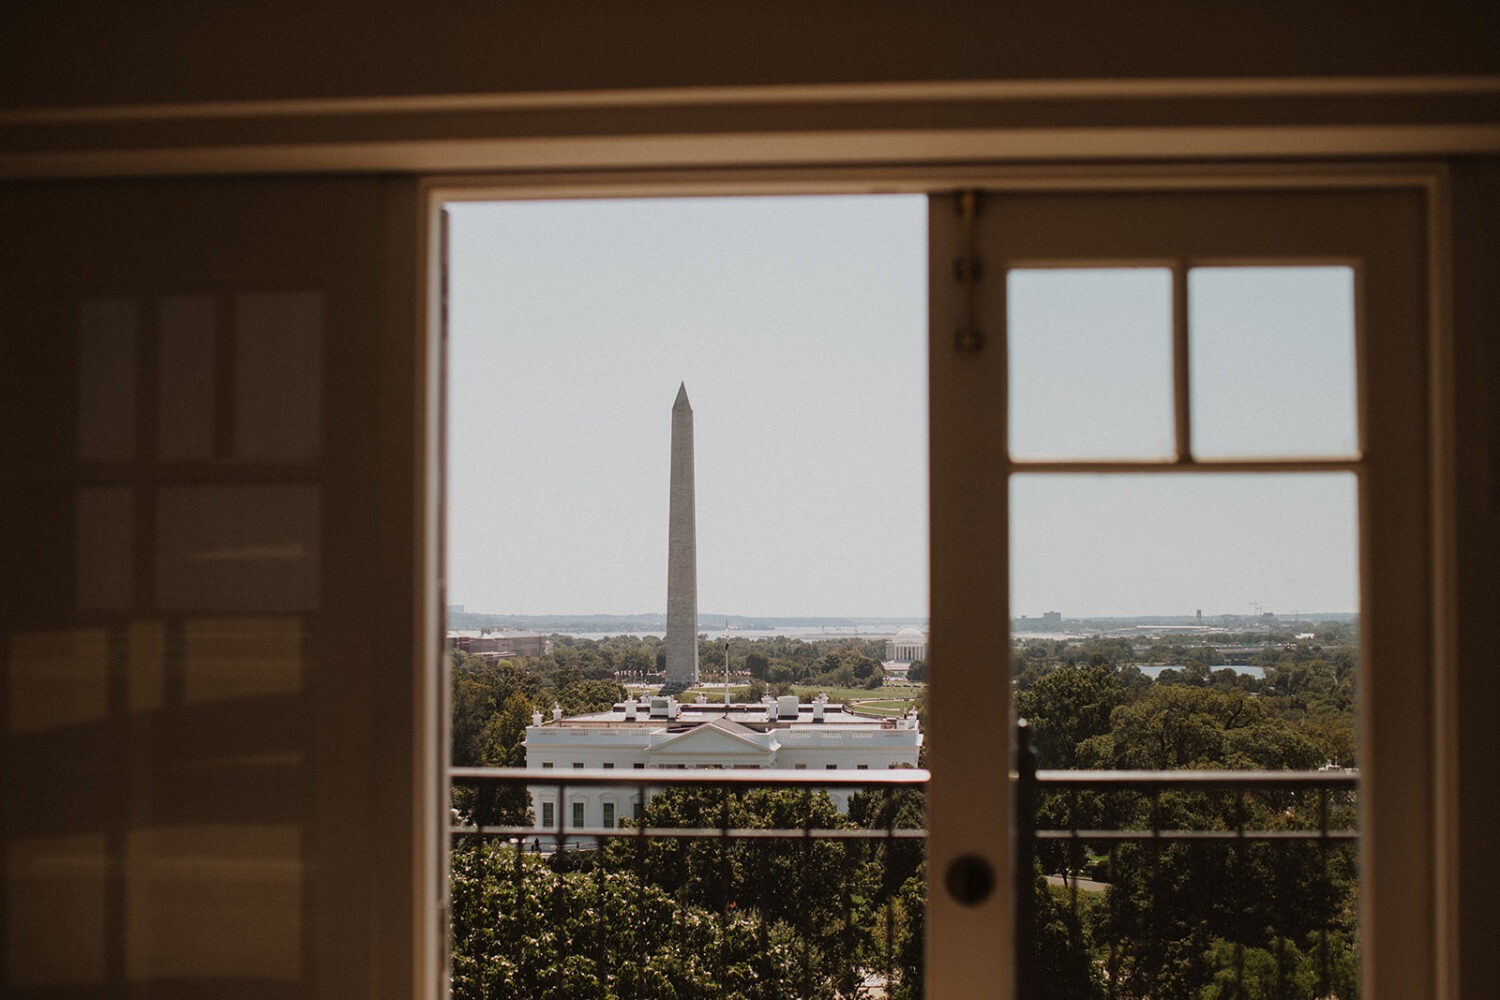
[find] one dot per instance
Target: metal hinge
(968, 270)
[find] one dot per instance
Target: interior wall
(207, 666)
(73, 52)
(1476, 320)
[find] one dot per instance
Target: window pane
(1155, 545)
(1272, 352)
(1201, 624)
(1090, 357)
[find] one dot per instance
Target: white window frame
(1381, 225)
(968, 950)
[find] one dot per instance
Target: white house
(662, 732)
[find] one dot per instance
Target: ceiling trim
(1247, 143)
(1102, 89)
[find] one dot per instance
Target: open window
(1196, 252)
(1177, 251)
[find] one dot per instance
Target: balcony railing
(647, 781)
(1060, 815)
(1128, 822)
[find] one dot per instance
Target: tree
(505, 731)
(822, 890)
(502, 745)
(581, 697)
(636, 663)
(1065, 707)
(1174, 726)
(523, 931)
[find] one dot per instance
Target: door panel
(1150, 250)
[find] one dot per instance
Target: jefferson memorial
(906, 646)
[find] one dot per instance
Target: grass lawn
(876, 702)
(886, 706)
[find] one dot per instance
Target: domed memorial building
(906, 646)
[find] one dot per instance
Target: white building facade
(661, 732)
(906, 646)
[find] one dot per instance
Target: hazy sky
(798, 325)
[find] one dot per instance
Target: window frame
(1437, 825)
(1397, 486)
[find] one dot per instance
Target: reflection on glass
(1090, 357)
(57, 678)
(103, 535)
(213, 901)
(185, 377)
(147, 644)
(58, 883)
(106, 379)
(239, 657)
(278, 375)
(1272, 360)
(237, 548)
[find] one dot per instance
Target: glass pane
(1101, 547)
(1204, 624)
(1090, 363)
(1272, 352)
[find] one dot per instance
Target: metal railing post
(1025, 821)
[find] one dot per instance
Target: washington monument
(682, 553)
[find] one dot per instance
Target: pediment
(717, 737)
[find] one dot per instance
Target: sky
(798, 326)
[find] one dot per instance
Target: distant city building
(659, 731)
(502, 645)
(1050, 621)
(906, 646)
